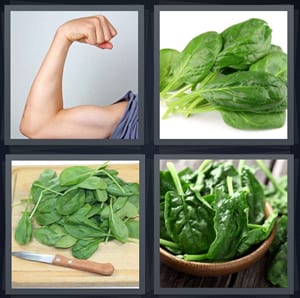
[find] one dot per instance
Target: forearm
(45, 97)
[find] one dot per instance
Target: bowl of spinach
(215, 220)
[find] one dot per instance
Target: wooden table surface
(253, 277)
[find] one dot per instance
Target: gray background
(91, 75)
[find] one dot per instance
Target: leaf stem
(113, 179)
(37, 204)
(168, 243)
(201, 257)
(268, 173)
(176, 178)
(229, 185)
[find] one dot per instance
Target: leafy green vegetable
(168, 59)
(196, 60)
(83, 249)
(274, 63)
(187, 221)
(257, 234)
(216, 214)
(70, 201)
(246, 91)
(23, 232)
(79, 209)
(255, 196)
(277, 272)
(46, 236)
(75, 175)
(244, 43)
(133, 227)
(278, 199)
(247, 82)
(251, 121)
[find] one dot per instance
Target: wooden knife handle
(83, 265)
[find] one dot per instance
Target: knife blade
(59, 260)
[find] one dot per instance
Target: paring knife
(59, 260)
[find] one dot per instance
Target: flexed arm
(44, 115)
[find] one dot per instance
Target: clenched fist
(95, 30)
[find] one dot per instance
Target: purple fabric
(127, 128)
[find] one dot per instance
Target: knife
(59, 260)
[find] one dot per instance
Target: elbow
(27, 130)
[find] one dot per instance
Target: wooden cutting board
(28, 274)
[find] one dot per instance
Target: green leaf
(244, 43)
(93, 182)
(196, 60)
(188, 222)
(255, 196)
(23, 231)
(274, 63)
(46, 236)
(133, 227)
(65, 241)
(230, 222)
(118, 227)
(70, 201)
(250, 121)
(75, 175)
(82, 228)
(101, 195)
(278, 272)
(167, 61)
(46, 213)
(84, 249)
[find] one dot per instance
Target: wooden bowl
(218, 269)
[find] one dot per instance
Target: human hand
(95, 30)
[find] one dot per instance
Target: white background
(177, 28)
(91, 75)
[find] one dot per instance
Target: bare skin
(44, 116)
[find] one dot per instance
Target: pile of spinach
(216, 214)
(239, 73)
(79, 209)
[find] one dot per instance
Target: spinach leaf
(257, 234)
(75, 175)
(196, 60)
(279, 198)
(93, 182)
(167, 61)
(46, 213)
(274, 63)
(255, 196)
(23, 231)
(230, 222)
(249, 120)
(277, 272)
(253, 91)
(65, 241)
(244, 44)
(133, 227)
(281, 235)
(101, 195)
(82, 228)
(188, 222)
(46, 236)
(117, 226)
(84, 249)
(70, 201)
